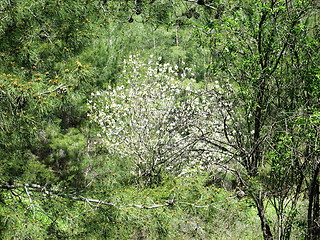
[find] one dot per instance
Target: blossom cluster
(159, 116)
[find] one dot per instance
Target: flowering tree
(160, 117)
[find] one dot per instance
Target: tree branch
(96, 203)
(54, 90)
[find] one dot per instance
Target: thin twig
(50, 91)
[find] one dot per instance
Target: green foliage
(97, 144)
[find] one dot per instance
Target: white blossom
(156, 115)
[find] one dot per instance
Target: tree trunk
(313, 231)
(265, 227)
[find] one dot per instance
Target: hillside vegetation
(161, 119)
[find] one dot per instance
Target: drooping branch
(60, 87)
(96, 203)
(233, 171)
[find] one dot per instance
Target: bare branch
(54, 90)
(235, 172)
(96, 203)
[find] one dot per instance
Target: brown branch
(235, 172)
(224, 149)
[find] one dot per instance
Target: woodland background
(159, 119)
